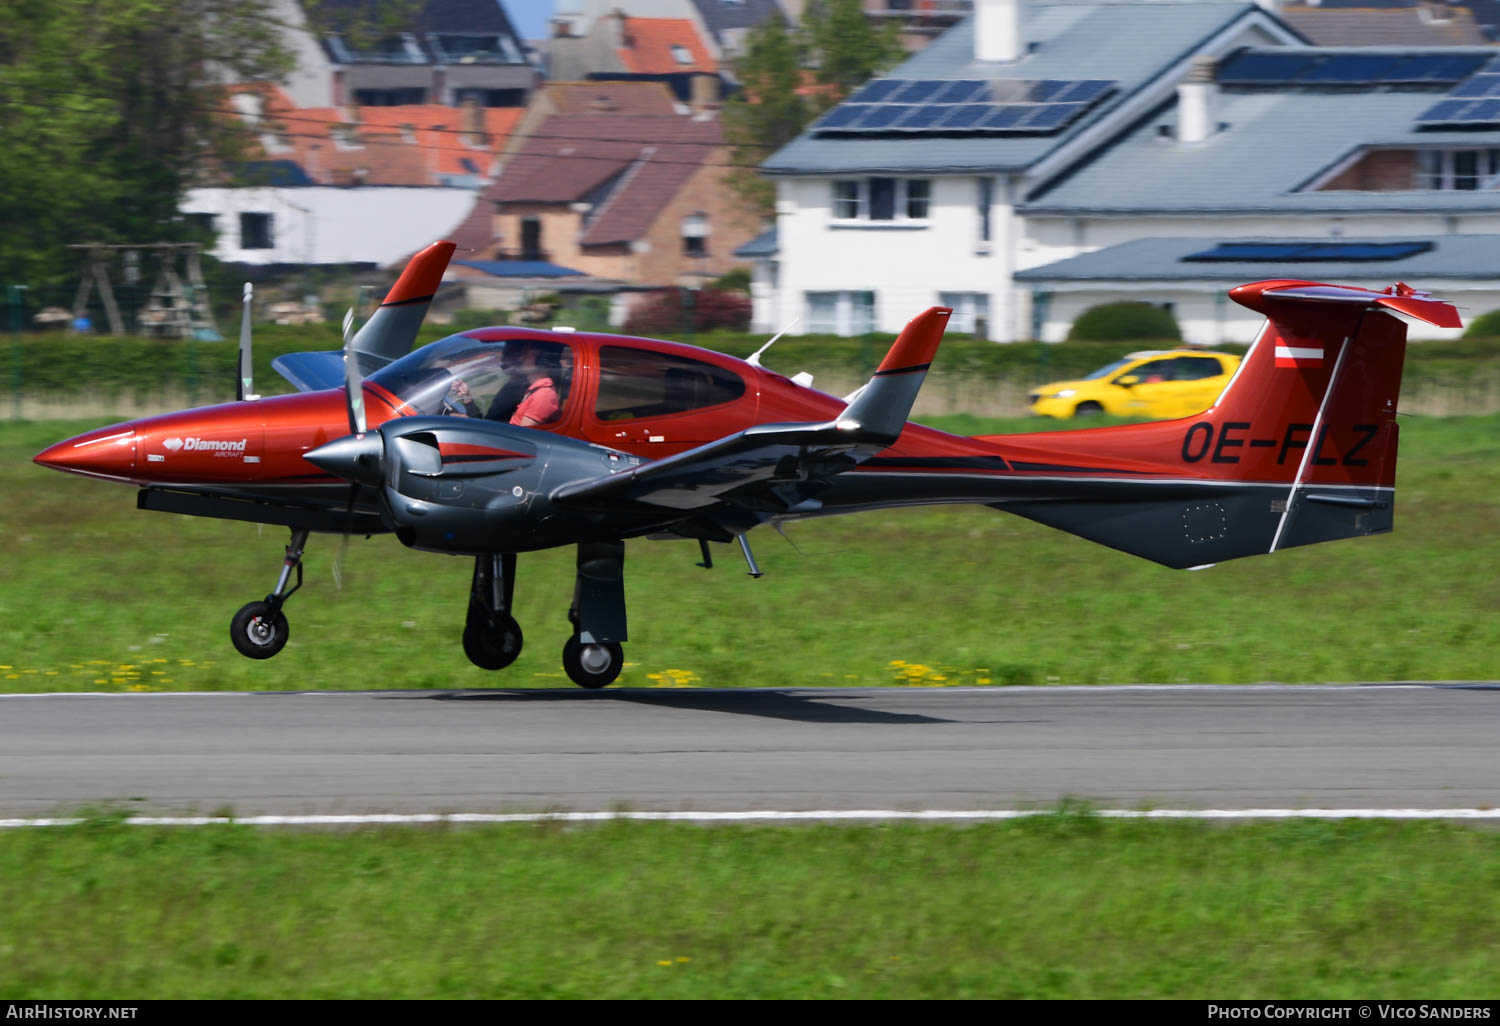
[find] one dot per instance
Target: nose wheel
(592, 665)
(259, 630)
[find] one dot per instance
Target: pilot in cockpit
(530, 397)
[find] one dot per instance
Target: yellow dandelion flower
(664, 962)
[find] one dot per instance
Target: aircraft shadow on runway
(780, 705)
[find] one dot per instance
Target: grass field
(99, 596)
(1062, 906)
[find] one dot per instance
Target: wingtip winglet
(918, 341)
(422, 276)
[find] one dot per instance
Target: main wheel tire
(258, 632)
(492, 645)
(1089, 409)
(594, 665)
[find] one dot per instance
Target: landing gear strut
(593, 657)
(492, 638)
(260, 630)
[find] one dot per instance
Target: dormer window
(1464, 170)
(681, 54)
(396, 49)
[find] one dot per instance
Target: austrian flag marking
(1299, 356)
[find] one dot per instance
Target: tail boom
(1300, 448)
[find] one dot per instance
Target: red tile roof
(640, 161)
(632, 98)
(650, 42)
(408, 145)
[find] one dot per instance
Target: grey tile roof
(1452, 256)
(1275, 142)
(763, 245)
(1409, 26)
(722, 15)
(1128, 42)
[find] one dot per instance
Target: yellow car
(1157, 384)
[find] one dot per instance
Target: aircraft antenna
(754, 359)
(245, 387)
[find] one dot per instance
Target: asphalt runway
(1209, 747)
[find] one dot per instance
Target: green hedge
(69, 367)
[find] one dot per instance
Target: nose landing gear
(260, 630)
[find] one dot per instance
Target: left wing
(778, 468)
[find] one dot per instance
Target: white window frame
(853, 313)
(901, 203)
(1437, 169)
(966, 307)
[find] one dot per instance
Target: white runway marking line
(955, 815)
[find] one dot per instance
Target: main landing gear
(259, 630)
(592, 655)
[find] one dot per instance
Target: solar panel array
(1474, 101)
(1235, 252)
(1260, 67)
(964, 106)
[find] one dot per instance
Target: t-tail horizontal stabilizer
(388, 334)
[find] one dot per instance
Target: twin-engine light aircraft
(505, 440)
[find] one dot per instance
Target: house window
(390, 97)
(682, 55)
(882, 199)
(695, 234)
(982, 208)
(255, 231)
(531, 238)
(846, 200)
(840, 313)
(971, 312)
(917, 192)
(1465, 170)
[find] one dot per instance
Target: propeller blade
(245, 389)
(354, 391)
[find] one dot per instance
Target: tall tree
(108, 108)
(790, 76)
(770, 110)
(846, 47)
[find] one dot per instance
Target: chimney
(618, 39)
(1195, 96)
(705, 94)
(997, 30)
(471, 118)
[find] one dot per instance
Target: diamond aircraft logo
(172, 444)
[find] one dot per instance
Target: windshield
(519, 381)
(1103, 372)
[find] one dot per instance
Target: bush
(1115, 322)
(1486, 325)
(737, 280)
(679, 311)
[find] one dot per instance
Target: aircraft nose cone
(353, 457)
(105, 452)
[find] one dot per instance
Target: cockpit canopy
(497, 375)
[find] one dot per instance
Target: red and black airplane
(505, 440)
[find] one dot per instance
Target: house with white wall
(1388, 157)
(313, 225)
(913, 191)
